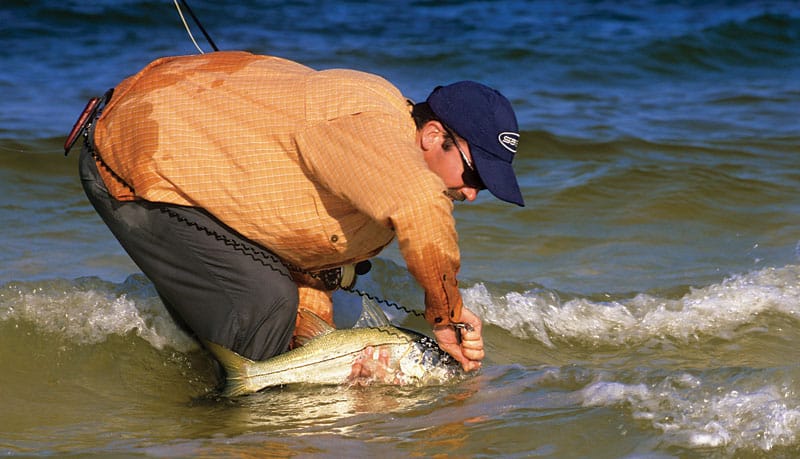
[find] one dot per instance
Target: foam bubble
(612, 393)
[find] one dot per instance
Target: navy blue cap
(486, 120)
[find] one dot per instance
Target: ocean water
(645, 302)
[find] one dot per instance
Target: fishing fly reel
(345, 276)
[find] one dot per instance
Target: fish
(327, 355)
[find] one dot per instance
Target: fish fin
(236, 367)
(371, 315)
(312, 327)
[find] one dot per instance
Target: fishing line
(15, 150)
(186, 26)
(199, 25)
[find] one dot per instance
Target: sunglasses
(470, 175)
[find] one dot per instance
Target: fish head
(424, 362)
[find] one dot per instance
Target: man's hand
(470, 351)
(373, 365)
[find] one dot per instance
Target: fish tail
(235, 368)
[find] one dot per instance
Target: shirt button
(334, 238)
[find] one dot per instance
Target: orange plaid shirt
(319, 167)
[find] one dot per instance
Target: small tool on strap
(85, 120)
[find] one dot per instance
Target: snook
(328, 356)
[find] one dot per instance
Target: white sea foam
(692, 413)
(714, 310)
(612, 393)
(88, 313)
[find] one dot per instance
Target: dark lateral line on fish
(316, 362)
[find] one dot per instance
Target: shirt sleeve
(370, 160)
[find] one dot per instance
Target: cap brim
(497, 175)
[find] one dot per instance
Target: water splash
(88, 310)
(727, 409)
(716, 310)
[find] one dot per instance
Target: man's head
(478, 124)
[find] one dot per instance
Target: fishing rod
(199, 25)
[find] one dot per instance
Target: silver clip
(459, 327)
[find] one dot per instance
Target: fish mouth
(425, 363)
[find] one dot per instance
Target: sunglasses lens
(471, 178)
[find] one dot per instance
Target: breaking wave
(717, 310)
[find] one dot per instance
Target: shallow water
(645, 302)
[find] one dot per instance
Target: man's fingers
(372, 365)
(383, 357)
(471, 365)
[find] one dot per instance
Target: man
(238, 183)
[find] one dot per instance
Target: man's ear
(431, 135)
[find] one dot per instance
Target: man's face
(449, 157)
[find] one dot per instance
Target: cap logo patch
(509, 140)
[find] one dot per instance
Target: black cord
(202, 29)
(372, 297)
(270, 261)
